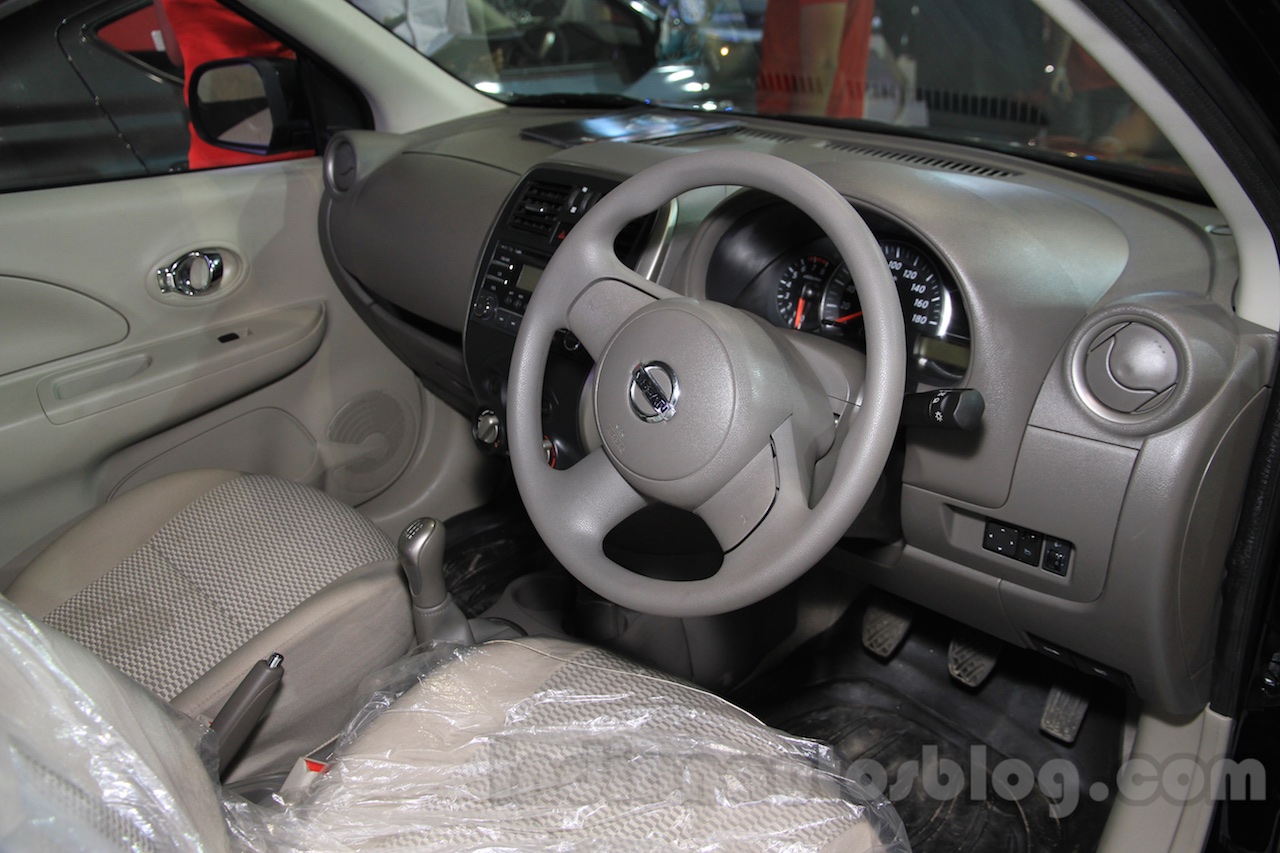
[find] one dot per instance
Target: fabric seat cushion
(186, 581)
(546, 744)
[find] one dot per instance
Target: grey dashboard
(1087, 516)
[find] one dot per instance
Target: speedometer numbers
(936, 338)
(925, 306)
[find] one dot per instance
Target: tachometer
(799, 294)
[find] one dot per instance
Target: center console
(538, 215)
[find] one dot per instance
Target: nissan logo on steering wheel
(654, 392)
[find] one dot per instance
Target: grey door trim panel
(260, 349)
(42, 322)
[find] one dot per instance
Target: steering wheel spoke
(738, 508)
(606, 304)
(591, 498)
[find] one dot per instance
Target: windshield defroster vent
(766, 135)
(924, 160)
(540, 207)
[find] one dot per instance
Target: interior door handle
(194, 274)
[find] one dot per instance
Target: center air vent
(540, 207)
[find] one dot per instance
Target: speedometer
(926, 306)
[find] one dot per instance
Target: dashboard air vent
(923, 160)
(539, 207)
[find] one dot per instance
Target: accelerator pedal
(885, 625)
(1064, 712)
(972, 657)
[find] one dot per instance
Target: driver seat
(529, 744)
(188, 580)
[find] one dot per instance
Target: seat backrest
(89, 760)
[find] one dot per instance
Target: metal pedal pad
(1064, 713)
(885, 625)
(972, 657)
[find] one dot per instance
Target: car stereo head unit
(509, 279)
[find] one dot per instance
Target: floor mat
(943, 812)
(962, 766)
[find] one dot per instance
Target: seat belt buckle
(300, 779)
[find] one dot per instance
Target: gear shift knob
(436, 618)
(421, 549)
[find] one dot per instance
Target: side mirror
(251, 104)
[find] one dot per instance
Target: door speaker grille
(385, 423)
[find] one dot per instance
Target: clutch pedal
(885, 625)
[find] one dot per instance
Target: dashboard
(1083, 515)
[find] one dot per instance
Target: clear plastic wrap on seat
(544, 745)
(529, 745)
(89, 760)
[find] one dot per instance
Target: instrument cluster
(796, 279)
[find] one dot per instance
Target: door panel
(26, 306)
(272, 373)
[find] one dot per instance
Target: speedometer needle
(846, 318)
(799, 311)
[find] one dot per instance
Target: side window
(93, 90)
(145, 38)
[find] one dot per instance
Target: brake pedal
(885, 625)
(1064, 713)
(972, 657)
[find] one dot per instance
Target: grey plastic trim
(1164, 823)
(264, 347)
(42, 322)
(1065, 487)
(411, 250)
(1205, 343)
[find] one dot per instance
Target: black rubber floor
(908, 719)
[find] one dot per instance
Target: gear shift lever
(436, 618)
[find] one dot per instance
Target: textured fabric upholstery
(213, 562)
(226, 566)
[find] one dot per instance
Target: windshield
(996, 73)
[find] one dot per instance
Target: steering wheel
(775, 439)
